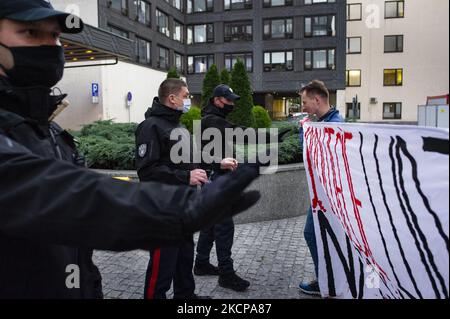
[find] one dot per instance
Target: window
(120, 5)
(354, 12)
(394, 9)
(349, 111)
(200, 63)
(143, 51)
(178, 62)
(194, 6)
(320, 26)
(162, 23)
(238, 4)
(118, 31)
(353, 78)
(353, 45)
(320, 59)
(392, 111)
(278, 61)
(178, 31)
(238, 31)
(276, 3)
(393, 77)
(163, 58)
(178, 4)
(393, 43)
(143, 12)
(246, 58)
(201, 33)
(278, 29)
(307, 2)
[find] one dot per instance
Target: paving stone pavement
(272, 255)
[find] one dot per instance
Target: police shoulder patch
(142, 150)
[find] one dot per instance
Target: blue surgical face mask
(187, 103)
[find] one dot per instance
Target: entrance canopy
(94, 47)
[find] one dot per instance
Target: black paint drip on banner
(349, 270)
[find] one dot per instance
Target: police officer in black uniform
(214, 115)
(52, 211)
(154, 163)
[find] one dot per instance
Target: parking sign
(95, 89)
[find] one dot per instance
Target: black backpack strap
(68, 138)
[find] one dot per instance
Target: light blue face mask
(187, 103)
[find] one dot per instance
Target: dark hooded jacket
(53, 213)
(215, 117)
(154, 146)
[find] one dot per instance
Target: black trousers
(223, 235)
(167, 264)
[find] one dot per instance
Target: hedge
(109, 145)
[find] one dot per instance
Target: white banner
(380, 200)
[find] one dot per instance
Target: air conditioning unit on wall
(373, 100)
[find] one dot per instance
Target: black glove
(223, 198)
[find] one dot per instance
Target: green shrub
(108, 129)
(289, 151)
(108, 145)
(188, 118)
(262, 117)
(282, 125)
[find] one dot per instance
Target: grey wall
(284, 194)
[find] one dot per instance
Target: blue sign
(129, 97)
(95, 89)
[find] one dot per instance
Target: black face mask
(228, 108)
(41, 66)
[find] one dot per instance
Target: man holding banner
(316, 102)
(379, 208)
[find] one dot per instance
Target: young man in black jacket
(54, 212)
(154, 163)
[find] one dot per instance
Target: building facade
(397, 56)
(283, 43)
(124, 89)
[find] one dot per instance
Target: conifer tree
(212, 79)
(240, 83)
(173, 73)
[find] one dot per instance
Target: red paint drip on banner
(320, 154)
(315, 201)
